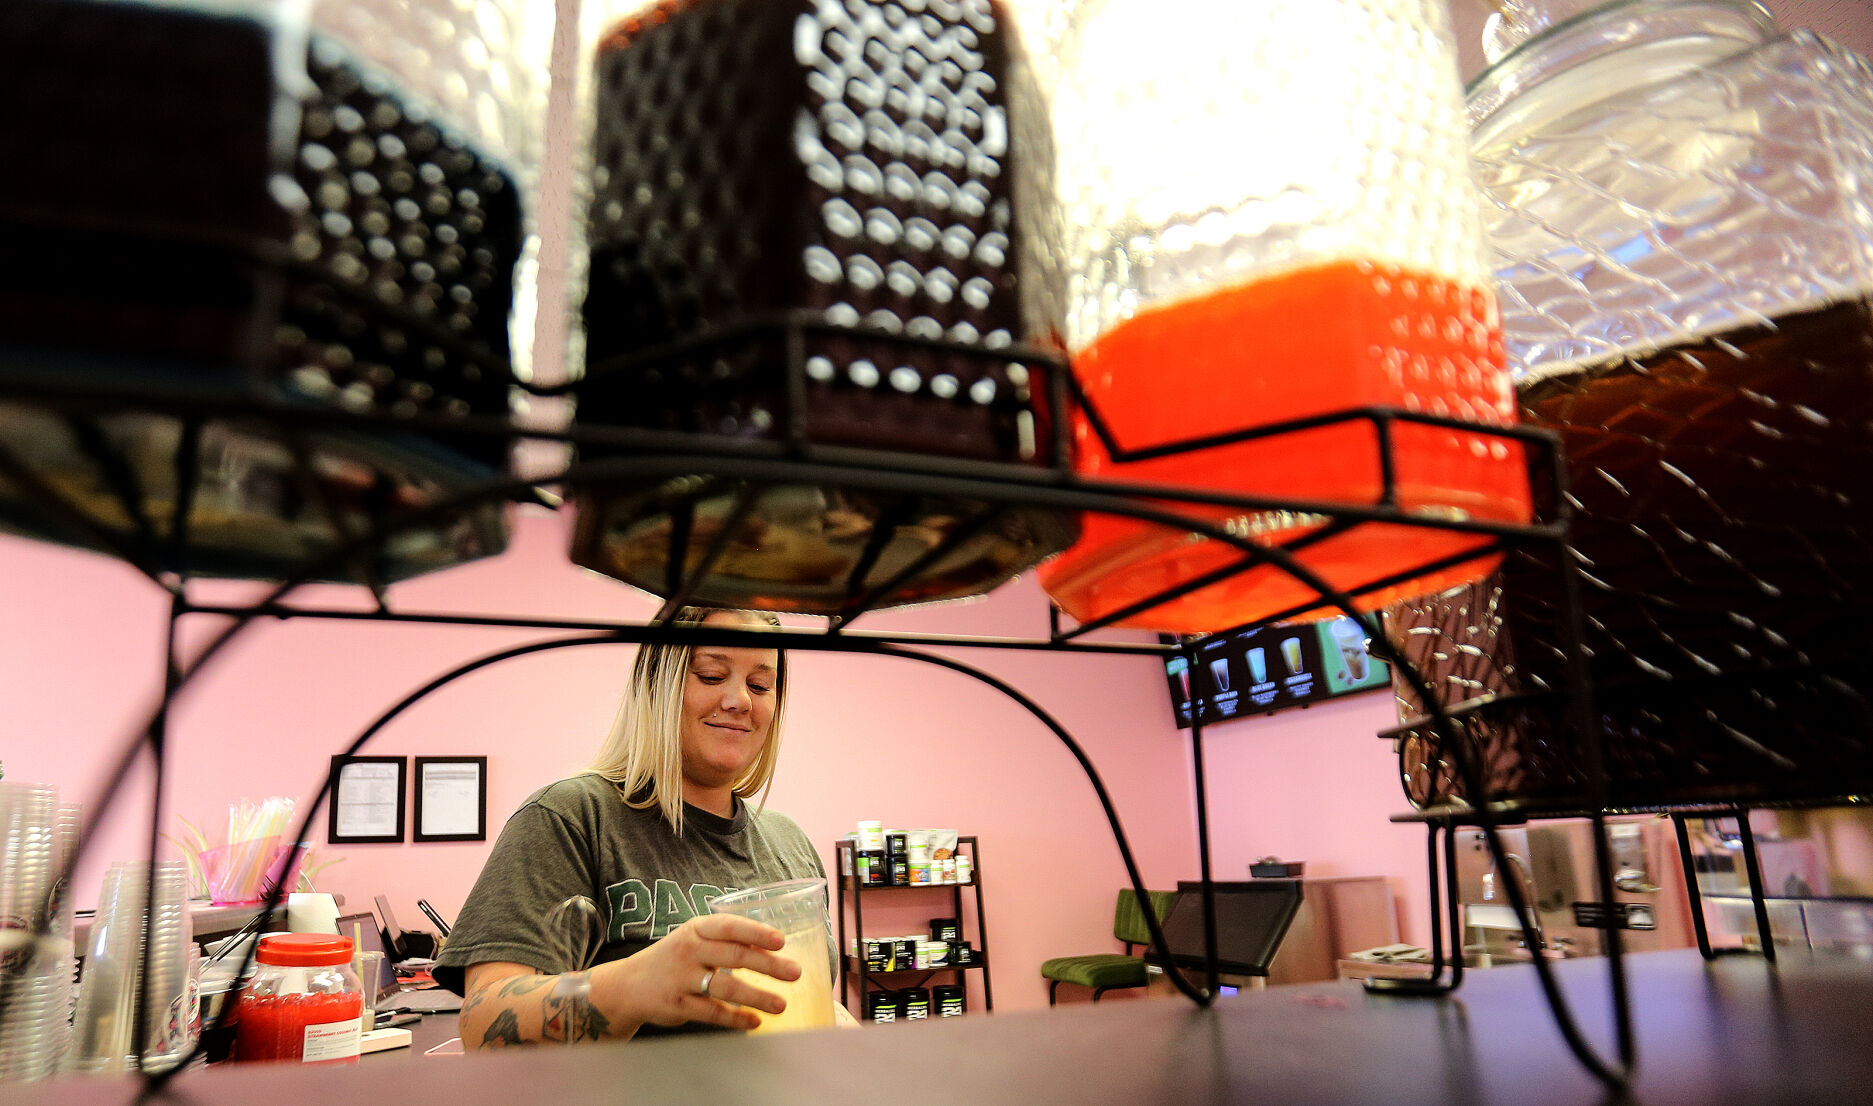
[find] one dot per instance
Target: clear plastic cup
(142, 916)
(370, 966)
(167, 940)
(101, 1026)
(798, 909)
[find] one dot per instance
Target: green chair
(1111, 971)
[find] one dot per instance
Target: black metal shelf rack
(791, 459)
(856, 976)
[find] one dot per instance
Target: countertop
(1727, 1033)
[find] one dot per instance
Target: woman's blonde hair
(643, 754)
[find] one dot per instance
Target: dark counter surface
(1732, 1032)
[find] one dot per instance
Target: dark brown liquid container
(847, 163)
(1720, 522)
(164, 243)
(1717, 452)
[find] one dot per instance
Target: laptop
(392, 994)
(1251, 920)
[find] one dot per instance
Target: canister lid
(304, 950)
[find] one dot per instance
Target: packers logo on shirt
(640, 912)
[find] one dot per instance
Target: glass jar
(1264, 212)
(842, 162)
(320, 204)
(1685, 254)
(304, 1003)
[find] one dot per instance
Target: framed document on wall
(451, 799)
(366, 804)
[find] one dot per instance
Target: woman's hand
(665, 983)
(688, 976)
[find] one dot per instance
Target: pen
(442, 927)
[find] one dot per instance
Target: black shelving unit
(756, 466)
(856, 978)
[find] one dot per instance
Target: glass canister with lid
(304, 1003)
(1685, 252)
(1265, 213)
(842, 162)
(322, 205)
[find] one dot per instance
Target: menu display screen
(1263, 670)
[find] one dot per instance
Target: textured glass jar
(1265, 212)
(304, 1003)
(842, 161)
(322, 203)
(1685, 253)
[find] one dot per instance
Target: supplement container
(1681, 233)
(932, 954)
(883, 1006)
(304, 1002)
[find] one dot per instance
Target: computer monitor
(1251, 919)
(362, 928)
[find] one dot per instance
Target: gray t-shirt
(577, 838)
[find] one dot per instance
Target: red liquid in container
(289, 1027)
(1312, 341)
(304, 1003)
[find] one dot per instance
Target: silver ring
(708, 978)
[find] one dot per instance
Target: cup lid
(304, 950)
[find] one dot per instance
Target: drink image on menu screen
(1350, 636)
(1269, 669)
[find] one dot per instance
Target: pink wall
(868, 737)
(1317, 785)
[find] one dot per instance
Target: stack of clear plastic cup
(106, 1011)
(66, 828)
(35, 955)
(36, 1031)
(169, 939)
(138, 917)
(28, 814)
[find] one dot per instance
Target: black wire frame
(654, 454)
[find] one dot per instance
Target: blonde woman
(656, 827)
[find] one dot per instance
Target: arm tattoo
(567, 1013)
(522, 984)
(503, 1030)
(566, 1010)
